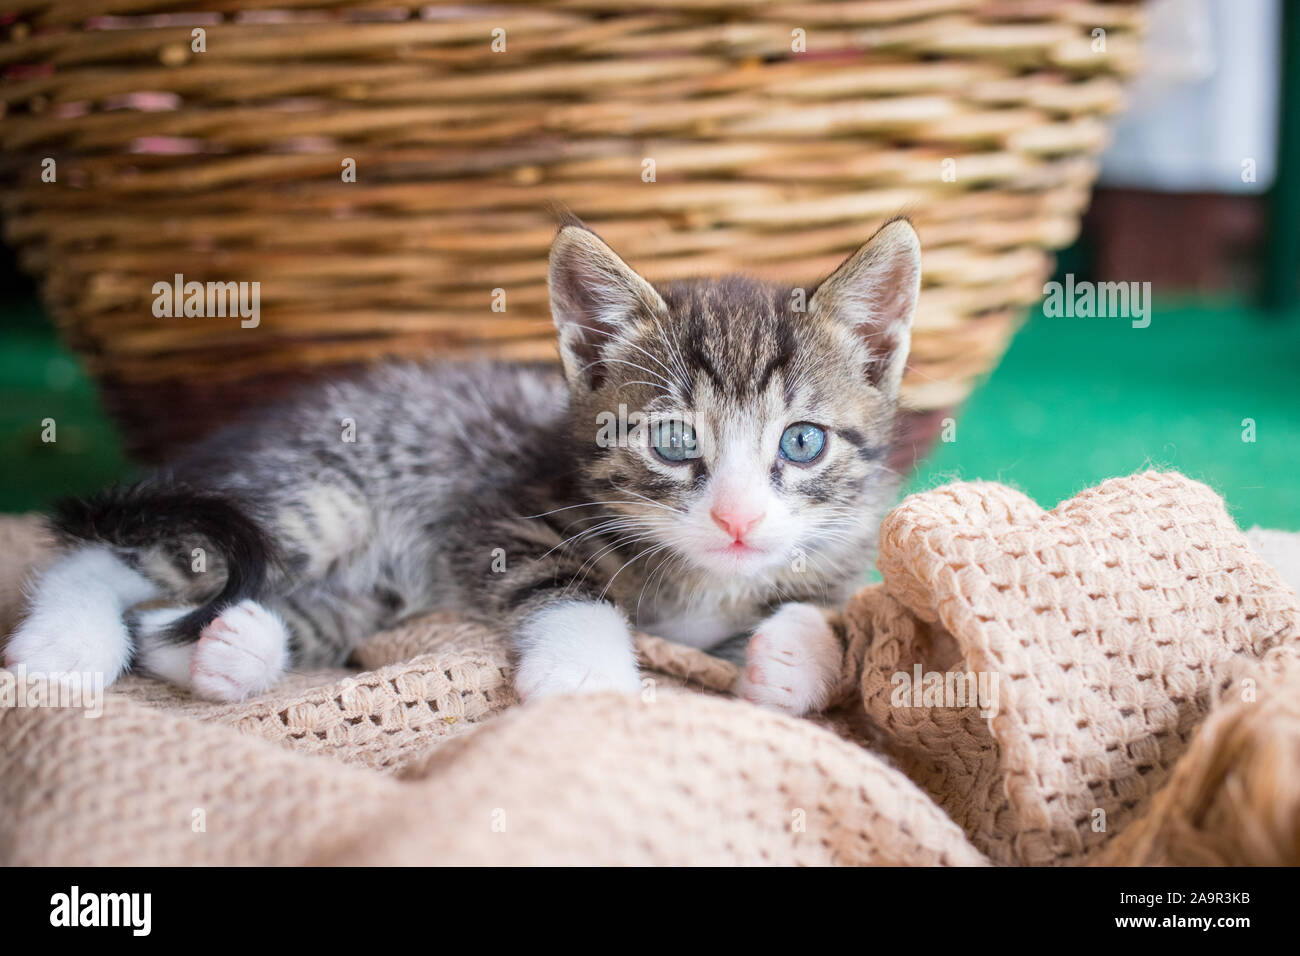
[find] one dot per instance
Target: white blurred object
(1280, 549)
(1206, 101)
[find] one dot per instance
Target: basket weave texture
(697, 136)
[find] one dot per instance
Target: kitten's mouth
(738, 549)
(737, 560)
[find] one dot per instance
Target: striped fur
(487, 488)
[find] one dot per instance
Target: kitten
(710, 465)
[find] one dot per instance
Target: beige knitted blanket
(1113, 681)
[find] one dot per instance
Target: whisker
(657, 504)
(644, 352)
(610, 583)
(667, 385)
(585, 504)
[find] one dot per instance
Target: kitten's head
(736, 424)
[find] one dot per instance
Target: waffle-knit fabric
(1147, 710)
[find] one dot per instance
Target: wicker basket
(780, 134)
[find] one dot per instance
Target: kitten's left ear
(595, 296)
(874, 292)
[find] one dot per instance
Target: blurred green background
(40, 380)
(1076, 401)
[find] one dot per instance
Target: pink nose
(737, 524)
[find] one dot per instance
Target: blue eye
(674, 441)
(802, 442)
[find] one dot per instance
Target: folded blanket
(1115, 681)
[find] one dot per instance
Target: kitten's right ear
(595, 296)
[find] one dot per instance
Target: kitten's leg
(571, 646)
(157, 653)
(793, 661)
(246, 648)
(243, 652)
(249, 646)
(567, 637)
(75, 622)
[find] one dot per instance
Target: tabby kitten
(711, 465)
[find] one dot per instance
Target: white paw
(575, 647)
(66, 644)
(536, 681)
(75, 624)
(244, 651)
(792, 663)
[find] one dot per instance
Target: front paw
(793, 662)
(575, 648)
(538, 680)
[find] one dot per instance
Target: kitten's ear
(595, 295)
(874, 293)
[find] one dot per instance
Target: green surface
(1075, 401)
(39, 380)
